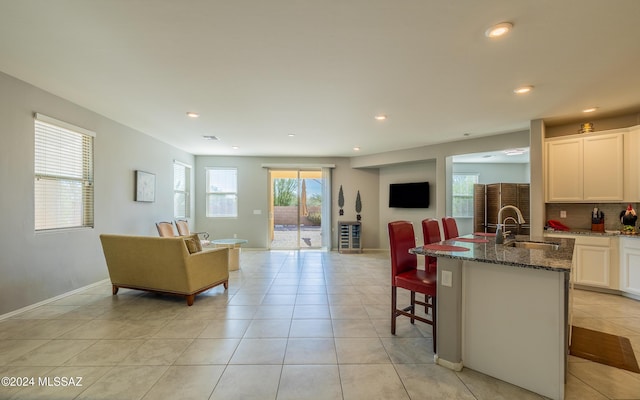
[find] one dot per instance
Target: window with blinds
(462, 194)
(181, 189)
(222, 192)
(63, 181)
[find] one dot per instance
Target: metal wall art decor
(358, 206)
(341, 200)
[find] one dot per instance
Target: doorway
(295, 209)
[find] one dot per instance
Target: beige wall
(35, 267)
(252, 222)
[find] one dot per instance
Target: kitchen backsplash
(579, 214)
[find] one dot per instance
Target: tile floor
(293, 325)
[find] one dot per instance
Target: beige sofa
(164, 265)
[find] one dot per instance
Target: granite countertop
(488, 251)
(588, 232)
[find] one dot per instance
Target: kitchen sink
(534, 245)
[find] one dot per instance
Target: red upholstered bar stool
(431, 234)
(450, 228)
(406, 275)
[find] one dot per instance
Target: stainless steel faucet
(499, 233)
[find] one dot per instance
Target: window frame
(466, 196)
(209, 194)
(54, 181)
(186, 191)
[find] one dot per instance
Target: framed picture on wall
(145, 186)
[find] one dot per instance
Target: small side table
(234, 250)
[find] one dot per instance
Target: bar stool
(406, 275)
(431, 234)
(450, 228)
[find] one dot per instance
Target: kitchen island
(503, 309)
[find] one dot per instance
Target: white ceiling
(494, 157)
(259, 70)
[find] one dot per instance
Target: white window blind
(222, 192)
(462, 190)
(181, 189)
(63, 181)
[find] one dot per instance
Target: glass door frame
(298, 174)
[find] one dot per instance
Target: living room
(39, 267)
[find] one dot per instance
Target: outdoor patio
(286, 237)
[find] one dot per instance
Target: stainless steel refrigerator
(488, 199)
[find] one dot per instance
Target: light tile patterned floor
(293, 325)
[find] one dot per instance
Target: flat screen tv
(409, 195)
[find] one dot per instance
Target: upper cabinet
(586, 168)
(632, 165)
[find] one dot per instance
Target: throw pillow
(193, 244)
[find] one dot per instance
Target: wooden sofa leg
(114, 289)
(226, 285)
(190, 299)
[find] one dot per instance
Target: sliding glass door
(295, 211)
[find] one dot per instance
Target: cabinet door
(630, 274)
(632, 166)
(603, 168)
(593, 265)
(564, 170)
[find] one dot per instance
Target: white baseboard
(43, 302)
(448, 364)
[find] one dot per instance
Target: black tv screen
(409, 195)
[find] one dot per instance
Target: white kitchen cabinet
(603, 167)
(630, 265)
(586, 168)
(596, 261)
(564, 170)
(632, 165)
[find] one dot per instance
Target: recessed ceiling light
(589, 110)
(514, 152)
(235, 147)
(380, 117)
(356, 148)
(192, 114)
(291, 135)
(523, 89)
(498, 30)
(466, 134)
(210, 137)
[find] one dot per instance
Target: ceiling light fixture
(210, 137)
(523, 89)
(291, 135)
(380, 117)
(589, 110)
(514, 152)
(235, 147)
(356, 148)
(498, 30)
(192, 114)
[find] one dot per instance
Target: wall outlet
(235, 235)
(447, 278)
(563, 214)
(257, 212)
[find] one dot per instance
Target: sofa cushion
(193, 243)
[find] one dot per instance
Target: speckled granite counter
(490, 252)
(587, 232)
